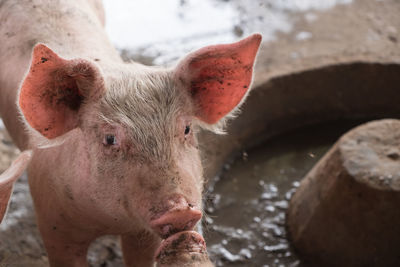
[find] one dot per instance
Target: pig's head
(136, 127)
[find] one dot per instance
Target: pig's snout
(182, 216)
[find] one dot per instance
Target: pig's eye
(187, 129)
(110, 140)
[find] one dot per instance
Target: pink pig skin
(183, 249)
(115, 149)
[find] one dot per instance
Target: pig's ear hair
(8, 178)
(218, 77)
(54, 90)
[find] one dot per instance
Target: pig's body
(125, 159)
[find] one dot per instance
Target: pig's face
(141, 141)
(138, 126)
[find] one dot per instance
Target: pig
(114, 143)
(8, 178)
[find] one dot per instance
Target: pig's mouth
(180, 245)
(181, 217)
(176, 221)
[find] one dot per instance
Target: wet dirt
(246, 205)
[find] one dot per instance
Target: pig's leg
(62, 251)
(139, 249)
(66, 243)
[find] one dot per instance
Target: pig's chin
(181, 247)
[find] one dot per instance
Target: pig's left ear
(54, 90)
(219, 76)
(8, 178)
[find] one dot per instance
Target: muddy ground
(354, 31)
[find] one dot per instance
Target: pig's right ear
(8, 178)
(55, 88)
(218, 77)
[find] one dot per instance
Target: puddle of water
(161, 31)
(246, 206)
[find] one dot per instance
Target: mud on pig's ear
(54, 89)
(8, 178)
(218, 77)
